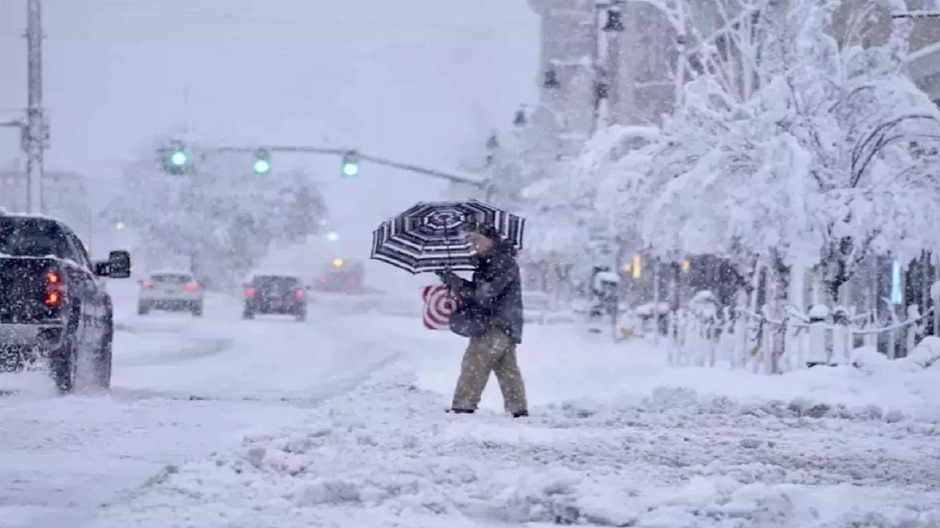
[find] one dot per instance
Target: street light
(332, 236)
(614, 18)
(550, 80)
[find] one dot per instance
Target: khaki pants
(492, 351)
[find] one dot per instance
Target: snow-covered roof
(20, 214)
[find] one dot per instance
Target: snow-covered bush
(927, 353)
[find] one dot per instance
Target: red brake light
(192, 286)
(54, 289)
(299, 294)
(53, 298)
(249, 292)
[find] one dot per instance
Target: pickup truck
(53, 308)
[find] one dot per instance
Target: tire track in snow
(201, 348)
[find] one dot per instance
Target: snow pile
(386, 455)
(926, 354)
(596, 373)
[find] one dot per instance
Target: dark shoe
(520, 414)
(460, 411)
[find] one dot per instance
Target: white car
(170, 290)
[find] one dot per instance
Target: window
(32, 237)
(78, 249)
(267, 281)
(172, 278)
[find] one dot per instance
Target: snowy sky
(408, 79)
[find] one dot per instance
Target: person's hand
(447, 277)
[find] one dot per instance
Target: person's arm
(449, 278)
(487, 292)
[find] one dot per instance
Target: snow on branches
(222, 217)
(827, 161)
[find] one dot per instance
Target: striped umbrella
(433, 236)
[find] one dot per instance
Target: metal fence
(756, 342)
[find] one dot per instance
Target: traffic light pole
(305, 149)
(35, 122)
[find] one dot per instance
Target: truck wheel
(63, 365)
(197, 309)
(142, 309)
(102, 363)
(302, 316)
(248, 314)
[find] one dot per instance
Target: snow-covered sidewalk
(616, 439)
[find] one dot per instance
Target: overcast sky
(408, 79)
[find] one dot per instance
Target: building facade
(642, 63)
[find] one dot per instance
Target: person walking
(494, 296)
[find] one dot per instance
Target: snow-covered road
(338, 422)
(182, 388)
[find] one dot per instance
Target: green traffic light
(262, 166)
(350, 169)
(332, 236)
(178, 158)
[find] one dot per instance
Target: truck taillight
(55, 289)
(299, 294)
(53, 298)
(191, 286)
(146, 285)
(249, 292)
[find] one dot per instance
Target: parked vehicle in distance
(176, 291)
(275, 294)
(52, 307)
(342, 276)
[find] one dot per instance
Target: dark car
(342, 276)
(275, 294)
(53, 308)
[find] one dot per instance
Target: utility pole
(35, 122)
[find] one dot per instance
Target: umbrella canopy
(433, 236)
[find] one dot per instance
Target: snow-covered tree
(221, 217)
(817, 165)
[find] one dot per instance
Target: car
(342, 276)
(53, 310)
(172, 291)
(275, 294)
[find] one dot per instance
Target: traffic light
(175, 159)
(262, 163)
(351, 164)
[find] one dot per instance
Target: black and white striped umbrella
(434, 236)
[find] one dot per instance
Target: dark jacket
(496, 288)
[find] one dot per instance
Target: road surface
(183, 387)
